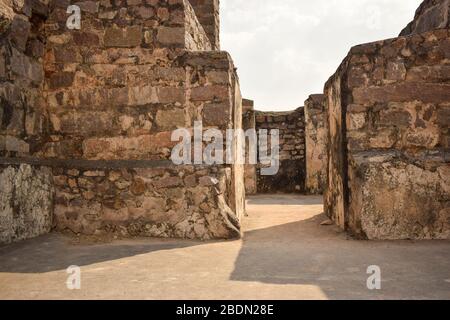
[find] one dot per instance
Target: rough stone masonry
(388, 111)
(90, 112)
(291, 175)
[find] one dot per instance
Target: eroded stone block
(392, 198)
(26, 202)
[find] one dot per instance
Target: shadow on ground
(305, 253)
(285, 253)
(54, 252)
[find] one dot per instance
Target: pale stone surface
(249, 123)
(394, 199)
(26, 202)
(112, 93)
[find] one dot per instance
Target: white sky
(285, 50)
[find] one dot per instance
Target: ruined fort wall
(141, 74)
(431, 15)
(113, 92)
(26, 191)
(388, 111)
(291, 176)
(316, 137)
(118, 87)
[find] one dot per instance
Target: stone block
(216, 114)
(210, 93)
(27, 68)
(20, 31)
(171, 36)
(61, 80)
(393, 198)
(170, 119)
(26, 199)
(127, 37)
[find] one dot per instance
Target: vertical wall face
(249, 123)
(118, 87)
(113, 93)
(116, 91)
(316, 137)
(26, 192)
(335, 196)
(291, 175)
(389, 104)
(26, 202)
(207, 12)
(431, 15)
(238, 168)
(23, 119)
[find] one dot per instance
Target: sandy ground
(285, 254)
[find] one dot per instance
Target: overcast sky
(285, 50)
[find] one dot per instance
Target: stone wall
(388, 115)
(111, 95)
(316, 137)
(207, 12)
(196, 38)
(249, 122)
(291, 176)
(431, 15)
(26, 202)
(116, 92)
(118, 87)
(140, 200)
(26, 192)
(22, 108)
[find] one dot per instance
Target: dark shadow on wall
(284, 200)
(306, 253)
(53, 252)
(289, 179)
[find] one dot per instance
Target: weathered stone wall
(291, 176)
(104, 102)
(26, 192)
(116, 90)
(207, 12)
(196, 38)
(388, 115)
(22, 107)
(119, 86)
(431, 15)
(316, 137)
(26, 202)
(249, 122)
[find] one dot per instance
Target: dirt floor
(285, 254)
